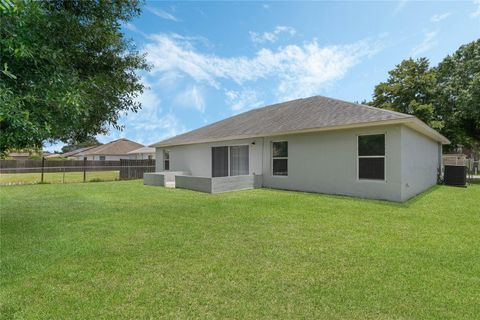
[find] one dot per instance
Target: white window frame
(163, 156)
(357, 137)
(279, 158)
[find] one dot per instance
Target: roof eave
(426, 131)
(423, 128)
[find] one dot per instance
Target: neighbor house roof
(116, 147)
(297, 116)
(143, 150)
(75, 152)
(19, 154)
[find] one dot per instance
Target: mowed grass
(57, 177)
(125, 250)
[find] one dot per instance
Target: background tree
(446, 97)
(410, 88)
(67, 72)
(458, 95)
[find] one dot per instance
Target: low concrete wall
(202, 184)
(220, 184)
(154, 179)
(223, 184)
(161, 178)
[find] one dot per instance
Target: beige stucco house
(315, 144)
(113, 150)
(142, 153)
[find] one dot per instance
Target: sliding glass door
(219, 161)
(238, 160)
(233, 160)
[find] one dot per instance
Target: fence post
(43, 168)
(84, 169)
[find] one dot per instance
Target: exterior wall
(420, 162)
(326, 162)
(197, 158)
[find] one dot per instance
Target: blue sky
(211, 60)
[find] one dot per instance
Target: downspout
(439, 174)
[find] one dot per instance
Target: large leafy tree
(66, 71)
(446, 97)
(458, 95)
(410, 88)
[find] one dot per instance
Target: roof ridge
(367, 106)
(289, 116)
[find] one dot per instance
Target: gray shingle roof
(291, 116)
(116, 147)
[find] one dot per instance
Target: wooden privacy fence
(37, 166)
(134, 169)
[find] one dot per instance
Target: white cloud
(271, 36)
(440, 17)
(191, 98)
(399, 7)
(429, 41)
(149, 124)
(162, 14)
(476, 13)
(133, 28)
(242, 100)
(297, 70)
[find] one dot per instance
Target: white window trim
(279, 158)
(165, 151)
(228, 157)
(384, 180)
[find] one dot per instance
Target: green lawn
(124, 250)
(57, 177)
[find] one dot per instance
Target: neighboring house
(315, 144)
(19, 155)
(142, 153)
(454, 159)
(76, 153)
(114, 150)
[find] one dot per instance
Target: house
(315, 144)
(142, 153)
(114, 150)
(454, 159)
(70, 154)
(19, 155)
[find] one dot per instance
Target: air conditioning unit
(455, 176)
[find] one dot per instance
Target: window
(280, 158)
(102, 158)
(150, 157)
(166, 160)
(219, 161)
(371, 157)
(238, 160)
